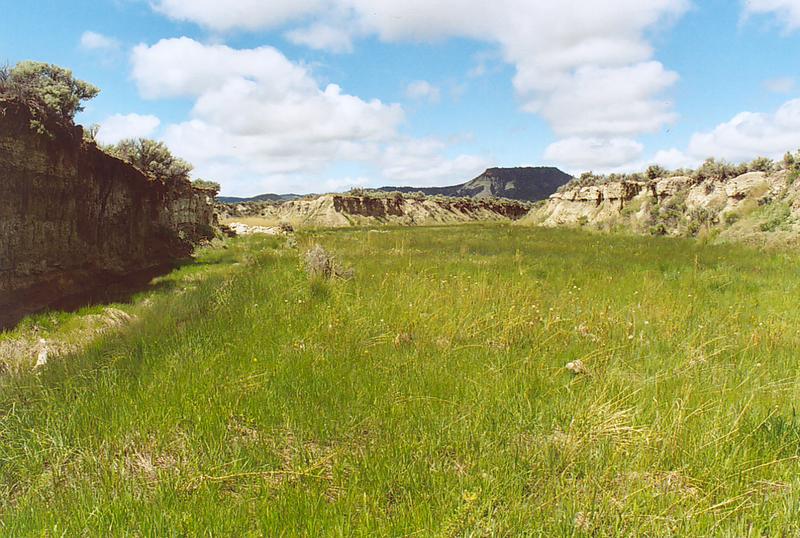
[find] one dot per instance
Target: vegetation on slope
(51, 92)
(155, 160)
(426, 395)
(756, 202)
(54, 96)
(711, 169)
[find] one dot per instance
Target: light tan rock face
(675, 205)
(72, 217)
(334, 210)
(670, 186)
(597, 203)
(742, 186)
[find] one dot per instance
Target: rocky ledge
(749, 204)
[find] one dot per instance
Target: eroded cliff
(754, 206)
(73, 217)
(338, 210)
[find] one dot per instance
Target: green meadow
(426, 395)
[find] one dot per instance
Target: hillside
(340, 210)
(425, 396)
(528, 183)
(259, 198)
(524, 183)
(721, 202)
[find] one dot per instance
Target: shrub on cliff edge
(761, 164)
(207, 185)
(151, 157)
(51, 92)
(715, 170)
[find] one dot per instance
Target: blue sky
(319, 95)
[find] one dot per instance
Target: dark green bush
(207, 185)
(761, 164)
(151, 157)
(51, 92)
(656, 172)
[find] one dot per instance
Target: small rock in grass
(403, 338)
(577, 367)
(42, 358)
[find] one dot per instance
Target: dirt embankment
(754, 207)
(73, 217)
(339, 210)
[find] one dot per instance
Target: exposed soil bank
(74, 219)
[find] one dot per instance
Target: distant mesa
(279, 198)
(529, 184)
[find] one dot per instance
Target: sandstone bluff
(341, 210)
(754, 206)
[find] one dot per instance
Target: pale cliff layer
(744, 207)
(335, 210)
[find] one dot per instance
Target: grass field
(426, 396)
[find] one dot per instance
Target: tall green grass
(426, 396)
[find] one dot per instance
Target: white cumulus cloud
(95, 41)
(237, 14)
(121, 126)
(323, 36)
(588, 68)
(610, 101)
(572, 56)
(423, 90)
(422, 163)
(673, 159)
(595, 154)
(786, 12)
(744, 137)
(750, 134)
(183, 67)
(257, 115)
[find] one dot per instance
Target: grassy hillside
(426, 396)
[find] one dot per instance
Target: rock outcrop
(339, 210)
(747, 205)
(73, 217)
